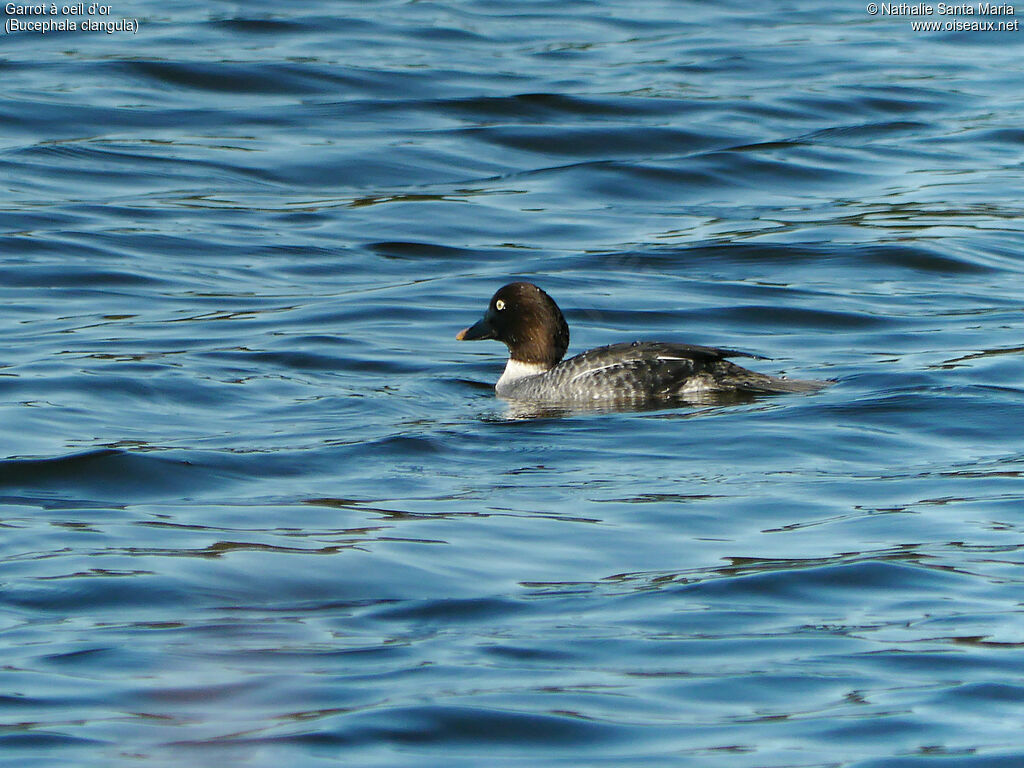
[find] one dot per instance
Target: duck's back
(644, 371)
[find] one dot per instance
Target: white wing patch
(624, 363)
(591, 371)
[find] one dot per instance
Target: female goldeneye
(526, 319)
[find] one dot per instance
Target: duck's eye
(499, 305)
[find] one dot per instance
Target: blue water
(258, 507)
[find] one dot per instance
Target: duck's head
(527, 320)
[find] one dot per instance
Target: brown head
(526, 319)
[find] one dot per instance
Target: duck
(528, 321)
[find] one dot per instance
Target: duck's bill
(482, 330)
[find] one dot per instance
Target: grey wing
(642, 370)
(653, 370)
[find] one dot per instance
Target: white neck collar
(516, 369)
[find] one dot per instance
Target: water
(260, 508)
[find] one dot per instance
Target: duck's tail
(780, 384)
(739, 379)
